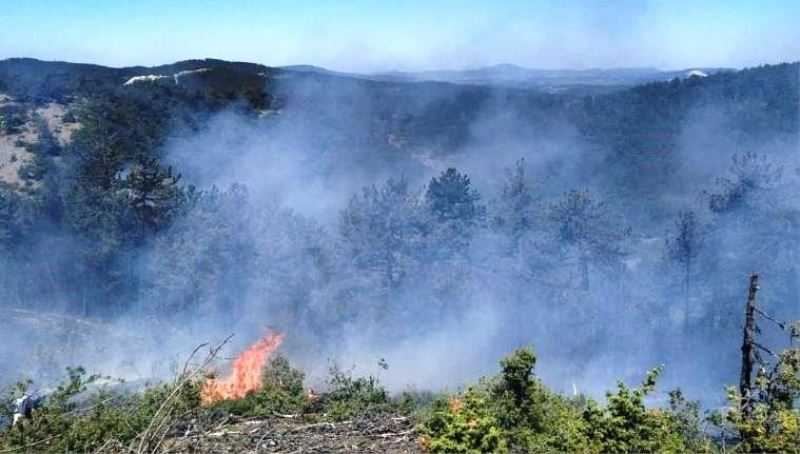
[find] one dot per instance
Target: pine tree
(516, 212)
(684, 249)
(451, 198)
(153, 192)
(586, 225)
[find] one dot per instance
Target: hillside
(416, 230)
(633, 132)
(73, 128)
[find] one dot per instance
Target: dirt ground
(378, 434)
(13, 153)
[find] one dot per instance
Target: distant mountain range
(555, 81)
(547, 80)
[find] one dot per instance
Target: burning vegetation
(246, 374)
(262, 406)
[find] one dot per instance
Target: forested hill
(621, 197)
(634, 132)
(642, 120)
(32, 80)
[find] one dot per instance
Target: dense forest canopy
(433, 223)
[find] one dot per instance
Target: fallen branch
(225, 432)
(398, 434)
(331, 425)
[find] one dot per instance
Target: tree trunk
(584, 269)
(686, 296)
(748, 357)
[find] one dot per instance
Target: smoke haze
(279, 239)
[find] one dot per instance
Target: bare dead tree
(752, 351)
(748, 345)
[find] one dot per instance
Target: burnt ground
(378, 434)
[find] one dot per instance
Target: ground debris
(383, 433)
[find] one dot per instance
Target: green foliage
(510, 411)
(462, 424)
(529, 414)
(518, 210)
(750, 174)
(451, 197)
(377, 231)
(281, 392)
(109, 195)
(626, 425)
(585, 227)
(686, 420)
(516, 389)
(345, 398)
(515, 411)
(46, 143)
(349, 396)
(153, 194)
(770, 422)
(12, 118)
(280, 376)
(16, 217)
(413, 403)
(71, 421)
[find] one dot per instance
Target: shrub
(510, 411)
(348, 397)
(530, 415)
(626, 425)
(69, 422)
(515, 411)
(462, 424)
(281, 392)
(772, 422)
(413, 402)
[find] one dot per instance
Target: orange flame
(246, 374)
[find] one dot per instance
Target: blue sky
(364, 35)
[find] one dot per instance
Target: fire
(246, 374)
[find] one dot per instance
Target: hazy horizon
(432, 69)
(367, 37)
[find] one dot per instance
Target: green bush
(348, 397)
(510, 411)
(515, 411)
(626, 425)
(281, 392)
(12, 118)
(70, 422)
(413, 402)
(772, 422)
(462, 424)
